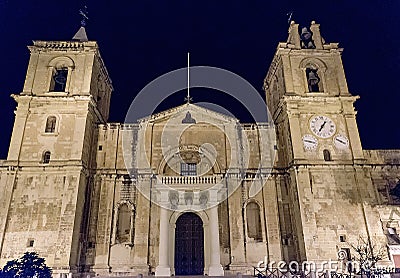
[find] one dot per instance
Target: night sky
(141, 40)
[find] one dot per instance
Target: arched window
(314, 72)
(327, 155)
(124, 224)
(51, 124)
(60, 69)
(253, 221)
(46, 157)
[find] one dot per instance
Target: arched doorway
(189, 245)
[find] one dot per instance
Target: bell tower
(307, 94)
(319, 147)
(64, 78)
(52, 153)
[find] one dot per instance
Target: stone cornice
(324, 98)
(46, 46)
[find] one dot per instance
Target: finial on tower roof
(81, 34)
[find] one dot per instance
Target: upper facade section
(305, 65)
(68, 68)
(188, 140)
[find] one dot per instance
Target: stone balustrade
(179, 180)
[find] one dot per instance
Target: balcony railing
(180, 180)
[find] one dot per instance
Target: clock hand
(322, 126)
(341, 141)
(309, 141)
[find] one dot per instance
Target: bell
(306, 38)
(313, 78)
(60, 77)
(305, 34)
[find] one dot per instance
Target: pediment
(189, 114)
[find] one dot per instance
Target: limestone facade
(102, 198)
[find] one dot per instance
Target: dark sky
(141, 40)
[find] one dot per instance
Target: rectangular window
(51, 124)
(188, 169)
(30, 243)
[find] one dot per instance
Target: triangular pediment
(189, 113)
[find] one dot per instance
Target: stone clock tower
(50, 163)
(319, 148)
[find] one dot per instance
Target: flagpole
(188, 77)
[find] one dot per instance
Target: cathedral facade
(171, 194)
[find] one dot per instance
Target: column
(163, 268)
(215, 268)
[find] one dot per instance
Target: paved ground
(394, 275)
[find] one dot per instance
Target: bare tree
(367, 253)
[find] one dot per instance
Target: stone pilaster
(163, 268)
(215, 268)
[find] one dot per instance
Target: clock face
(322, 126)
(341, 141)
(310, 142)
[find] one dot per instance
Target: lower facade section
(305, 214)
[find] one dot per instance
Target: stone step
(188, 276)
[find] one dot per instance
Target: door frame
(172, 226)
(196, 238)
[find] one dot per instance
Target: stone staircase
(189, 276)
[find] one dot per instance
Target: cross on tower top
(84, 13)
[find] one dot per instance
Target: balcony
(191, 182)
